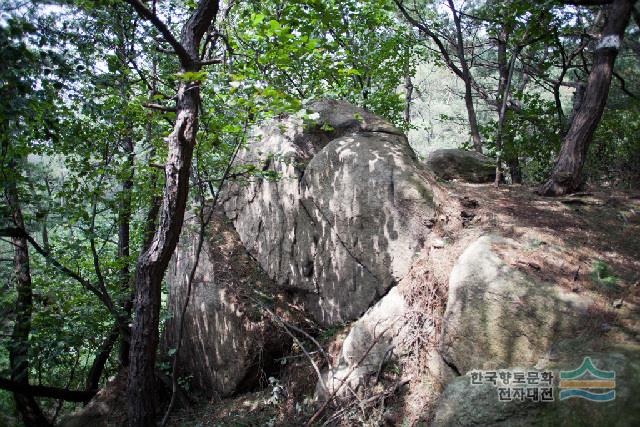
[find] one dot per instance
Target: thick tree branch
(46, 391)
(160, 108)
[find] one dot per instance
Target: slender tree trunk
(124, 241)
(27, 406)
(515, 171)
(124, 211)
(100, 360)
(408, 97)
(466, 78)
(566, 175)
(473, 119)
(153, 261)
(504, 73)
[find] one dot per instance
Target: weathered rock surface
(227, 339)
(462, 404)
(369, 343)
(467, 166)
(347, 215)
(501, 318)
(498, 317)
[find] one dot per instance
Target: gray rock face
(346, 216)
(223, 329)
(498, 317)
(467, 166)
(369, 342)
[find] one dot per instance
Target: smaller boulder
(498, 317)
(107, 408)
(228, 341)
(369, 343)
(467, 166)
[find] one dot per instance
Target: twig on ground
(319, 412)
(286, 327)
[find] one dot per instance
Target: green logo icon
(588, 382)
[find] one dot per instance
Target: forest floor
(588, 242)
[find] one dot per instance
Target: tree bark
(124, 241)
(566, 175)
(153, 261)
(100, 360)
(408, 97)
(26, 405)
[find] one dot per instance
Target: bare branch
(185, 58)
(623, 85)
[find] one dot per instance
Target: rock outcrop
(346, 215)
(227, 339)
(498, 317)
(107, 408)
(466, 166)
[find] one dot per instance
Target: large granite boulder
(497, 316)
(466, 166)
(346, 215)
(228, 339)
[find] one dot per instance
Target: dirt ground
(587, 242)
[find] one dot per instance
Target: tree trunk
(26, 405)
(153, 261)
(566, 175)
(515, 171)
(466, 78)
(125, 209)
(408, 97)
(124, 241)
(473, 119)
(100, 360)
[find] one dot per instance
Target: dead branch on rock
(287, 328)
(368, 402)
(335, 391)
